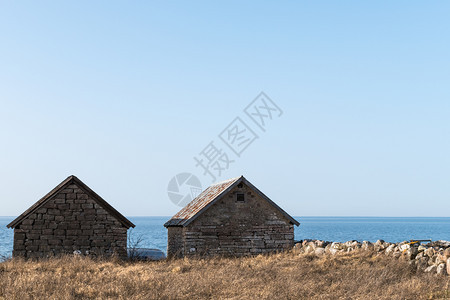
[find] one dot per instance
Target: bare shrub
(135, 241)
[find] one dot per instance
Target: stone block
(47, 231)
(63, 206)
(82, 196)
(71, 196)
(40, 242)
(101, 217)
(45, 248)
(52, 225)
(55, 242)
(99, 243)
(66, 213)
(19, 236)
(89, 211)
(63, 225)
(18, 247)
(83, 242)
(32, 248)
(48, 217)
(75, 206)
(54, 211)
(74, 225)
(101, 211)
(61, 232)
(73, 232)
(19, 253)
(32, 236)
(80, 218)
(67, 242)
(42, 210)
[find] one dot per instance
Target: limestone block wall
(237, 228)
(175, 241)
(70, 221)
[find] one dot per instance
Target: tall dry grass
(359, 275)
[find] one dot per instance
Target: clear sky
(125, 94)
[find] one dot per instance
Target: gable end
(68, 181)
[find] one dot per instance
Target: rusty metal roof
(203, 201)
(200, 202)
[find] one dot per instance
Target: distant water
(6, 237)
(339, 229)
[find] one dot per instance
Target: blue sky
(125, 94)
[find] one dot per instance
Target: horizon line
(336, 216)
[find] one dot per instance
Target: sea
(152, 234)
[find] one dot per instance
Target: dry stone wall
(430, 257)
(70, 221)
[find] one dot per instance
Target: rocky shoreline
(430, 257)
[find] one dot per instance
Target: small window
(240, 197)
(240, 185)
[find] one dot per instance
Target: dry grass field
(359, 275)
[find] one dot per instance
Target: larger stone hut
(230, 218)
(71, 217)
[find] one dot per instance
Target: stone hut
(230, 218)
(71, 217)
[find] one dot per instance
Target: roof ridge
(226, 181)
(202, 201)
(211, 195)
(71, 179)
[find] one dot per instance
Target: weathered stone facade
(68, 219)
(175, 241)
(234, 226)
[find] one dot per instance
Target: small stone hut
(230, 218)
(71, 217)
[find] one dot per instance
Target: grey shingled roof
(209, 196)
